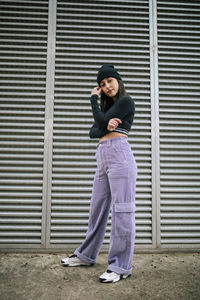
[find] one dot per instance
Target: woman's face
(110, 87)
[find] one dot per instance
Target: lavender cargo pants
(113, 188)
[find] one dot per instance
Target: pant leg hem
(119, 270)
(84, 258)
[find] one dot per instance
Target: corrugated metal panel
(89, 34)
(23, 48)
(179, 93)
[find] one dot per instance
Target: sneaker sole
(76, 265)
(113, 281)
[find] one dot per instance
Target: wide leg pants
(113, 188)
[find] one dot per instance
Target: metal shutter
(179, 94)
(23, 47)
(89, 34)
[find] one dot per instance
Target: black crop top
(123, 108)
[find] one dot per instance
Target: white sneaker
(74, 261)
(110, 277)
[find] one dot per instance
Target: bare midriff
(112, 135)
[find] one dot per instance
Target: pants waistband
(111, 141)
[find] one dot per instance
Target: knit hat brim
(107, 71)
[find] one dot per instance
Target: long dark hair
(106, 102)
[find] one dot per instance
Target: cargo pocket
(124, 218)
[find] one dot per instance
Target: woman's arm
(96, 132)
(119, 109)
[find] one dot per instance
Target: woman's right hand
(113, 123)
(96, 91)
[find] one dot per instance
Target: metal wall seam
(48, 130)
(155, 125)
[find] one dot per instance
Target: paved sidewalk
(173, 276)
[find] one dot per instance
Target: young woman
(114, 182)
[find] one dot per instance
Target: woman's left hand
(113, 123)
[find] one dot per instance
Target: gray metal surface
(23, 47)
(50, 53)
(87, 37)
(179, 111)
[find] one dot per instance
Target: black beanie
(107, 71)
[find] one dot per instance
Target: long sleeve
(96, 132)
(119, 109)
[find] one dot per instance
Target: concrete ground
(173, 276)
